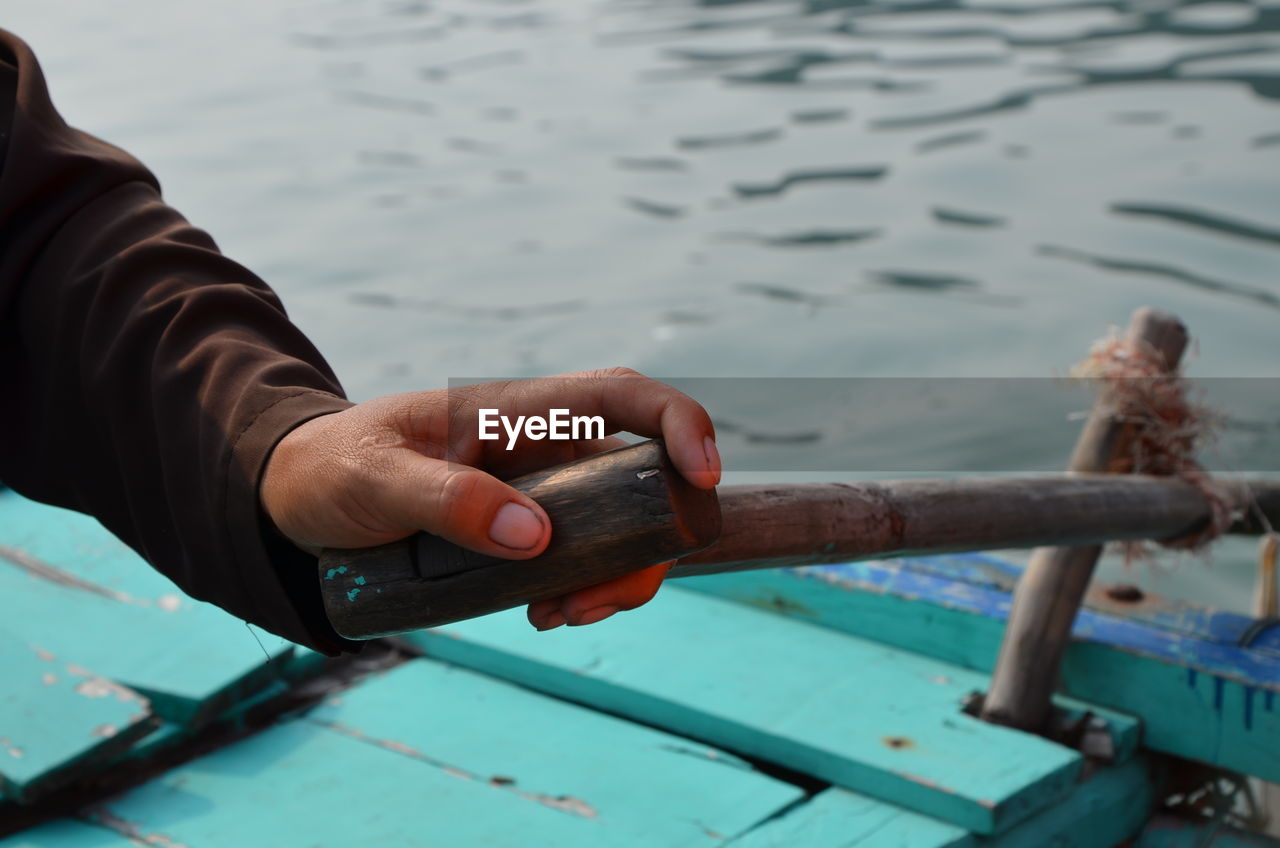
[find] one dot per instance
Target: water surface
(829, 188)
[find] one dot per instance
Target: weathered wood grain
(611, 514)
(770, 526)
(381, 591)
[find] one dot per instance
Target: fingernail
(594, 614)
(713, 456)
(551, 622)
(516, 526)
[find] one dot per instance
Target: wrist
(280, 488)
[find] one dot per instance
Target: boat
(816, 705)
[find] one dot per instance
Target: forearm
(148, 376)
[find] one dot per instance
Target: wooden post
(1050, 592)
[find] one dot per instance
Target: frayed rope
(1164, 427)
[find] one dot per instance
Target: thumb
(463, 505)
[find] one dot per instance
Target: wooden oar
(779, 526)
(627, 509)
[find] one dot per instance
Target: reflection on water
(723, 187)
(1168, 272)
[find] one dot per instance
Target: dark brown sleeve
(145, 377)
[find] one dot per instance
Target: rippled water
(826, 188)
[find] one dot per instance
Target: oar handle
(611, 514)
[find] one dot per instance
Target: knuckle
(620, 371)
(460, 500)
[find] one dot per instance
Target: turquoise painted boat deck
(814, 707)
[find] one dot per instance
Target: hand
(392, 466)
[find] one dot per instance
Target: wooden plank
(1184, 618)
(302, 784)
(58, 567)
(657, 788)
(1123, 731)
(1208, 624)
(1104, 810)
(882, 722)
(59, 720)
(838, 818)
(1197, 698)
(170, 734)
(302, 666)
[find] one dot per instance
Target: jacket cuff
(279, 581)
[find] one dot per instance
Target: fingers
(626, 400)
(459, 503)
(521, 462)
(546, 615)
(596, 603)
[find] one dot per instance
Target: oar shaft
(773, 526)
(619, 511)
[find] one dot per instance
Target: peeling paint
(706, 831)
(563, 803)
(351, 595)
(129, 830)
(709, 754)
(93, 686)
(11, 749)
(42, 570)
(400, 748)
(333, 572)
(929, 784)
(1136, 636)
(49, 678)
(105, 731)
(360, 581)
(169, 603)
(569, 804)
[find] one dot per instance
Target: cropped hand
(392, 466)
